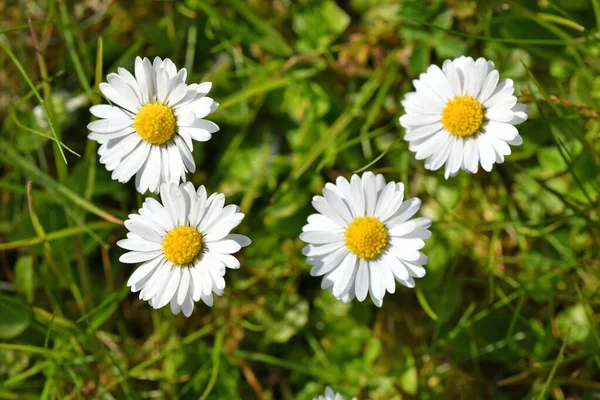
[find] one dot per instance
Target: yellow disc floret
(155, 123)
(366, 237)
(182, 245)
(463, 116)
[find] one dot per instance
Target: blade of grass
(37, 95)
(379, 157)
(22, 376)
(190, 50)
(375, 108)
(259, 177)
(39, 230)
(273, 35)
(138, 369)
(104, 310)
(340, 124)
(23, 27)
(237, 30)
(589, 313)
(596, 4)
(91, 145)
(539, 42)
(11, 157)
(60, 234)
(425, 304)
(557, 362)
(560, 21)
(29, 349)
(267, 86)
(61, 169)
(287, 364)
(42, 134)
(67, 31)
(216, 357)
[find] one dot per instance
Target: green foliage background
(309, 90)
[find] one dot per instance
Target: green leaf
(24, 277)
(551, 161)
(292, 320)
(15, 317)
(319, 24)
(302, 98)
(419, 60)
(585, 166)
(575, 319)
(409, 379)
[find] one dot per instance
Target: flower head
(184, 245)
(149, 129)
(461, 116)
(363, 238)
(331, 395)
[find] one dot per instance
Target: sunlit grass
(308, 91)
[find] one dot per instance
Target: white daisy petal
(321, 205)
(157, 282)
(388, 276)
(452, 107)
(131, 104)
(109, 125)
(471, 156)
(184, 284)
(520, 114)
(138, 245)
(455, 159)
(175, 308)
(362, 280)
(321, 237)
(170, 288)
(397, 267)
(180, 266)
(321, 250)
(143, 231)
(225, 246)
(405, 212)
(376, 284)
(323, 265)
(414, 269)
(423, 131)
(188, 304)
(139, 256)
(486, 153)
(489, 84)
(453, 77)
(338, 205)
(143, 271)
(155, 107)
(110, 112)
(346, 271)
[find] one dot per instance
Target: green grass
(309, 90)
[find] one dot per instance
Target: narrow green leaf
(425, 304)
(15, 317)
(24, 277)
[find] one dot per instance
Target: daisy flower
(461, 116)
(331, 395)
(184, 245)
(149, 129)
(363, 238)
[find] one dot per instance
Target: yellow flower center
(366, 237)
(462, 116)
(155, 123)
(182, 245)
